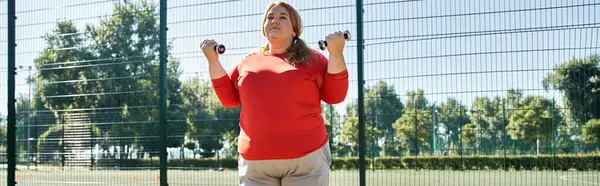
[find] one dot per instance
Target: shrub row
(178, 163)
(541, 162)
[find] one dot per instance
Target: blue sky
(439, 66)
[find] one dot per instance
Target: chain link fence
(112, 92)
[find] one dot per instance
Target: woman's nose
(275, 21)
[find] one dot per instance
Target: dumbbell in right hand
(220, 48)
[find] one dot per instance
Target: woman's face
(278, 24)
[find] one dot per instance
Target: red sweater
(281, 104)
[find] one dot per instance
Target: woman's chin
(277, 39)
(274, 36)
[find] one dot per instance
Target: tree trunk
(537, 144)
(182, 155)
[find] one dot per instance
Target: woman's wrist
(336, 64)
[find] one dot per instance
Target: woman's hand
(335, 43)
(208, 48)
(215, 68)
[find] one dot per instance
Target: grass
(49, 177)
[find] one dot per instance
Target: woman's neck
(278, 48)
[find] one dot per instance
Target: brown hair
(298, 52)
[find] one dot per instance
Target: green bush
(532, 162)
(174, 163)
(590, 133)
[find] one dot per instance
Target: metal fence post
(12, 71)
(433, 127)
(460, 144)
(361, 100)
(553, 135)
(62, 139)
(505, 134)
(163, 93)
(332, 126)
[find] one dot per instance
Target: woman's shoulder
(246, 58)
(253, 54)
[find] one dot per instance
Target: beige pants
(310, 170)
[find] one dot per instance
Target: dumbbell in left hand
(323, 43)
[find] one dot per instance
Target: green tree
(114, 66)
(415, 126)
(23, 120)
(486, 127)
(591, 132)
(225, 120)
(532, 120)
(512, 99)
(351, 110)
(595, 83)
(3, 134)
(452, 115)
(207, 121)
(332, 124)
(61, 82)
(383, 108)
(578, 80)
(197, 116)
(127, 43)
(349, 135)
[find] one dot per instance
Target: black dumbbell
(220, 48)
(323, 43)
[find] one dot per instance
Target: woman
(283, 140)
